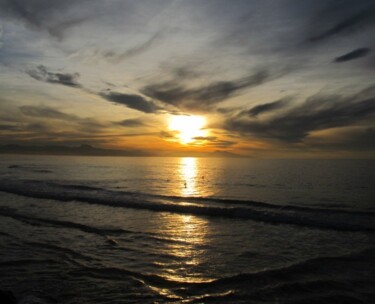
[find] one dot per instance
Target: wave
(343, 220)
(318, 266)
(308, 281)
(29, 168)
(37, 221)
(317, 280)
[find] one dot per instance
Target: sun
(188, 127)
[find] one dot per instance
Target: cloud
(41, 73)
(360, 139)
(7, 127)
(115, 57)
(132, 101)
(348, 23)
(315, 113)
(42, 15)
(202, 98)
(131, 123)
(266, 107)
(168, 134)
(1, 35)
(214, 141)
(210, 138)
(357, 53)
(45, 112)
(48, 113)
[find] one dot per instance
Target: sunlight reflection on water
(189, 233)
(188, 174)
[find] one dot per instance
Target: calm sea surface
(187, 230)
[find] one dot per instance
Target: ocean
(187, 230)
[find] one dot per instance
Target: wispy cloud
(353, 20)
(204, 97)
(46, 114)
(266, 107)
(132, 101)
(316, 113)
(214, 141)
(131, 123)
(115, 56)
(41, 73)
(42, 15)
(357, 53)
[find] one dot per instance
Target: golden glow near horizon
(189, 128)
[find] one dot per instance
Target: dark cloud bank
(204, 97)
(318, 112)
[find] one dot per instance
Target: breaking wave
(345, 220)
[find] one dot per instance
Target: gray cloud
(46, 112)
(350, 21)
(41, 73)
(360, 139)
(357, 53)
(131, 123)
(214, 141)
(204, 97)
(8, 127)
(316, 113)
(38, 127)
(132, 101)
(184, 72)
(42, 15)
(266, 107)
(115, 57)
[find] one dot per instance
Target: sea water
(187, 230)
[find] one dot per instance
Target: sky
(256, 78)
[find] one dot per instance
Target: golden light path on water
(188, 231)
(189, 175)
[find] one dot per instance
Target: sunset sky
(258, 78)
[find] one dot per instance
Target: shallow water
(172, 230)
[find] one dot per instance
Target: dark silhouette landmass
(88, 150)
(67, 150)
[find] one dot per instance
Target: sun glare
(189, 128)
